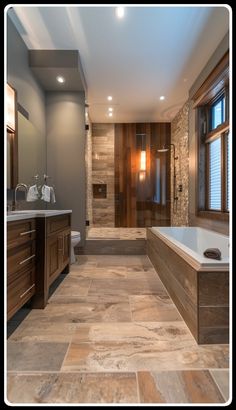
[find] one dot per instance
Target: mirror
(31, 151)
(26, 153)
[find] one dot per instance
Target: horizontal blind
(215, 175)
(228, 171)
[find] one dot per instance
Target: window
(218, 113)
(215, 175)
(212, 102)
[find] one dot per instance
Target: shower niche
(99, 191)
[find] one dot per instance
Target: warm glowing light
(109, 97)
(10, 108)
(110, 114)
(110, 109)
(162, 97)
(142, 175)
(60, 79)
(143, 161)
(120, 11)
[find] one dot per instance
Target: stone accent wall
(103, 161)
(179, 137)
(88, 162)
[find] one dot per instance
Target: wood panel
(179, 279)
(57, 223)
(201, 297)
(113, 247)
(135, 204)
(20, 232)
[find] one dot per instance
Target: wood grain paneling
(136, 202)
(201, 297)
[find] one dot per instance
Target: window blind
(228, 171)
(215, 175)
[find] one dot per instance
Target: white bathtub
(191, 242)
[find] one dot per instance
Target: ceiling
(152, 51)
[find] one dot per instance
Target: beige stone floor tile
(23, 356)
(221, 378)
(122, 260)
(194, 386)
(81, 311)
(72, 388)
(126, 286)
(152, 308)
(136, 333)
(100, 273)
(73, 286)
(104, 299)
(136, 356)
(37, 330)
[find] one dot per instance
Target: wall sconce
(11, 109)
(143, 161)
(142, 166)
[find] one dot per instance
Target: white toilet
(75, 239)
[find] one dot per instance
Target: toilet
(75, 239)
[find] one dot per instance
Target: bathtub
(191, 242)
(198, 286)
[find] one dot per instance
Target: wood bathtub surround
(202, 297)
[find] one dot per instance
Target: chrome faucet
(18, 186)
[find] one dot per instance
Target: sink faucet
(18, 186)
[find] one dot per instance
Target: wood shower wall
(136, 201)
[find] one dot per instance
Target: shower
(166, 148)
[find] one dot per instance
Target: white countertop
(37, 213)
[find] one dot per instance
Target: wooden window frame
(211, 90)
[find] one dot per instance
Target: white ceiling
(152, 51)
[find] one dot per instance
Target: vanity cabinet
(38, 250)
(53, 254)
(58, 245)
(21, 264)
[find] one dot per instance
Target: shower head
(163, 149)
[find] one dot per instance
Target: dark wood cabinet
(21, 264)
(38, 250)
(53, 234)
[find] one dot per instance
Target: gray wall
(31, 147)
(219, 226)
(29, 93)
(65, 127)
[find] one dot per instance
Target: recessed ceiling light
(110, 109)
(109, 97)
(120, 11)
(162, 97)
(110, 114)
(60, 79)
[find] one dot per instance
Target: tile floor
(111, 334)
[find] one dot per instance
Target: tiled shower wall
(179, 137)
(103, 209)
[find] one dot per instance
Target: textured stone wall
(88, 162)
(103, 209)
(179, 137)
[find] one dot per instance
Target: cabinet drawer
(57, 223)
(20, 258)
(20, 232)
(20, 290)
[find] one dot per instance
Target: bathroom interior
(117, 205)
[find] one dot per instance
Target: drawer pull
(27, 259)
(23, 294)
(26, 233)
